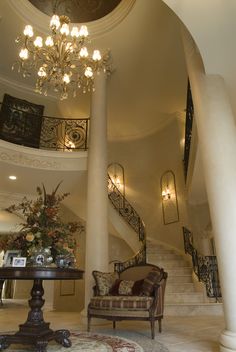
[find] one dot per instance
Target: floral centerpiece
(43, 228)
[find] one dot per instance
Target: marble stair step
(158, 251)
(180, 271)
(193, 309)
(163, 256)
(179, 288)
(180, 279)
(169, 264)
(184, 297)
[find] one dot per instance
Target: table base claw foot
(3, 343)
(62, 337)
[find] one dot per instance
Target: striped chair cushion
(121, 302)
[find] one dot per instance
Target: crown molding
(40, 21)
(24, 87)
(42, 159)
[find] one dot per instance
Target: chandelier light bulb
(42, 72)
(97, 55)
(65, 29)
(75, 32)
(88, 72)
(49, 41)
(83, 52)
(66, 78)
(83, 32)
(55, 22)
(38, 43)
(24, 54)
(28, 31)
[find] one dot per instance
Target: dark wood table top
(49, 273)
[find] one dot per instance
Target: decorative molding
(23, 160)
(67, 288)
(41, 159)
(24, 87)
(170, 209)
(31, 15)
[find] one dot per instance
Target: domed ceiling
(77, 10)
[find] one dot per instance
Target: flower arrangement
(43, 227)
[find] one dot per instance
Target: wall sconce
(169, 198)
(116, 173)
(166, 194)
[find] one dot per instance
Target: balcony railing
(205, 267)
(43, 132)
(188, 129)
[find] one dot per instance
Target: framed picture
(9, 255)
(19, 261)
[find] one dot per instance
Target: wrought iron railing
(125, 209)
(188, 129)
(43, 132)
(138, 258)
(130, 215)
(205, 267)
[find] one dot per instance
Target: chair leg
(152, 322)
(159, 324)
(114, 324)
(89, 321)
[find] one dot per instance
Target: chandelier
(62, 60)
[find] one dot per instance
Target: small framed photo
(19, 261)
(9, 256)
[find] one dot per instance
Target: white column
(96, 225)
(217, 141)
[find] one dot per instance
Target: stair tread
(194, 304)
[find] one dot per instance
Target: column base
(227, 341)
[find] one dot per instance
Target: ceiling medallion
(79, 11)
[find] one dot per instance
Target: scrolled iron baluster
(205, 267)
(130, 215)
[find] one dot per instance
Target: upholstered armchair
(135, 294)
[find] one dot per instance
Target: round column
(96, 225)
(217, 140)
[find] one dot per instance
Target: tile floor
(180, 334)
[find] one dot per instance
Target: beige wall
(69, 295)
(199, 215)
(144, 161)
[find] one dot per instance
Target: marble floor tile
(179, 334)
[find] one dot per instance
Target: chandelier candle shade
(62, 60)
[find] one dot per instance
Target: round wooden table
(35, 331)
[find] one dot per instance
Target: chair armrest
(157, 307)
(95, 290)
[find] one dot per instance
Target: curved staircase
(182, 297)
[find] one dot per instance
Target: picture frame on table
(9, 255)
(19, 262)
